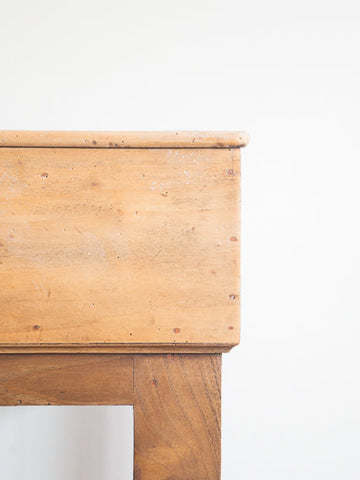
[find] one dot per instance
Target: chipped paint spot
(232, 296)
(177, 330)
(233, 239)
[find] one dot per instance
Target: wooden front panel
(119, 246)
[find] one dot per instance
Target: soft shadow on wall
(71, 442)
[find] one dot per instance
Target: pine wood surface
(180, 139)
(119, 247)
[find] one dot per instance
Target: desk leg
(177, 410)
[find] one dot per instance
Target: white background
(288, 72)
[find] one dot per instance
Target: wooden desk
(119, 282)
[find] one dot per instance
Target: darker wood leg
(66, 379)
(177, 409)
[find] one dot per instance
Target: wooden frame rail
(176, 399)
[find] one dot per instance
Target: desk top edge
(131, 139)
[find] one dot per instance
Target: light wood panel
(119, 247)
(180, 139)
(66, 379)
(177, 413)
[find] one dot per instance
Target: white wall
(66, 443)
(289, 73)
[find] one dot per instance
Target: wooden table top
(119, 241)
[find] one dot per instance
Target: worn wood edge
(145, 139)
(119, 348)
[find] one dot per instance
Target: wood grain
(119, 247)
(180, 139)
(177, 417)
(66, 379)
(119, 348)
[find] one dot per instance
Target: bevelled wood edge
(110, 348)
(175, 139)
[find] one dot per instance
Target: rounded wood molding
(71, 139)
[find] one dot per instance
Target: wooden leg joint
(176, 399)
